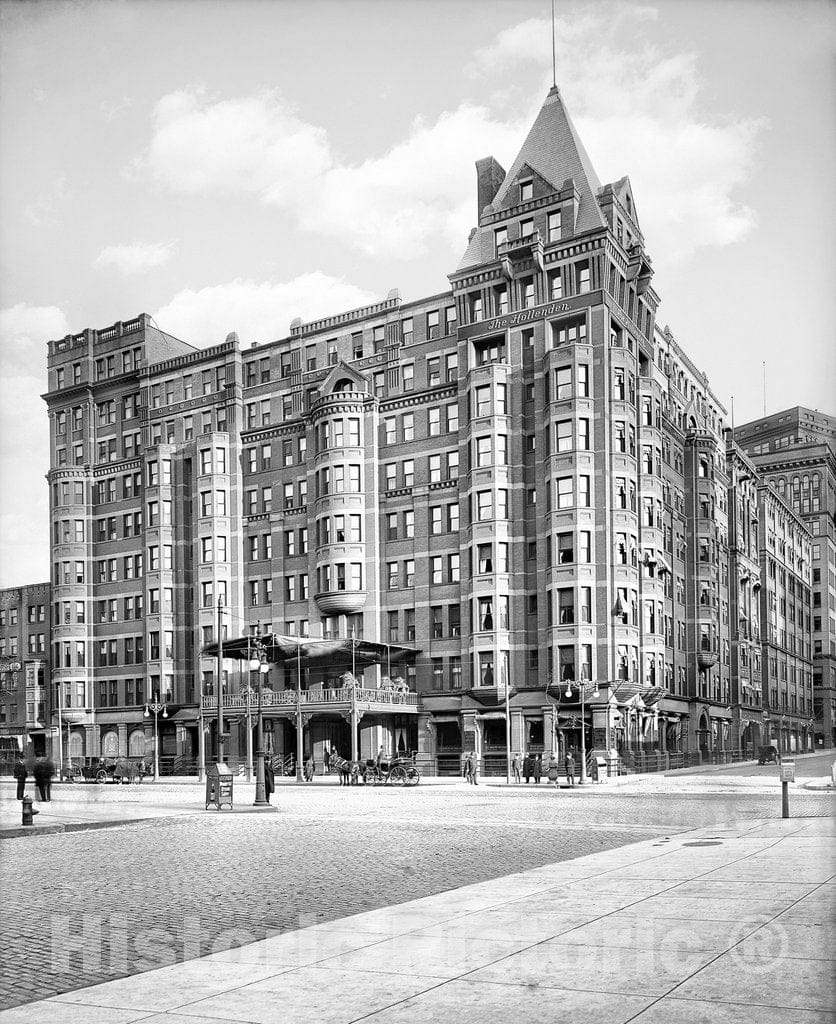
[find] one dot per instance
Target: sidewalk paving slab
(731, 924)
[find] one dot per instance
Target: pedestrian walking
(20, 774)
(326, 760)
(538, 769)
(269, 779)
(474, 775)
(553, 771)
(49, 772)
(516, 762)
(468, 768)
(527, 766)
(41, 773)
(569, 765)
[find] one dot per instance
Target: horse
(348, 771)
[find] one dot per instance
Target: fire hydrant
(28, 811)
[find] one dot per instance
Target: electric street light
(156, 706)
(262, 666)
(299, 731)
(595, 694)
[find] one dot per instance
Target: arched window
(136, 743)
(76, 744)
(110, 744)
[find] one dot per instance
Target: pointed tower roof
(554, 149)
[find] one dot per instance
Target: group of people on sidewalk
(531, 766)
(42, 772)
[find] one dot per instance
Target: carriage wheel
(413, 776)
(398, 776)
(101, 775)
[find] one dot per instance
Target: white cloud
(24, 332)
(388, 206)
(43, 210)
(135, 258)
(254, 144)
(256, 311)
(638, 110)
(422, 189)
(112, 109)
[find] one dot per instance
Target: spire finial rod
(554, 53)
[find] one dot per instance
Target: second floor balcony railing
(339, 696)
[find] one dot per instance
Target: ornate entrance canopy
(311, 652)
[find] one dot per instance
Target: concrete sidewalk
(718, 925)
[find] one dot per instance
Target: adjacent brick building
(24, 669)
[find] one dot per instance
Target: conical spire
(555, 151)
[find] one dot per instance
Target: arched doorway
(704, 736)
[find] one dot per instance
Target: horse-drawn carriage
(105, 769)
(400, 771)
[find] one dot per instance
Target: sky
(232, 165)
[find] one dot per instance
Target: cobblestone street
(147, 894)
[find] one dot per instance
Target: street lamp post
(299, 737)
(60, 736)
(262, 666)
(582, 689)
(220, 681)
(507, 733)
(156, 706)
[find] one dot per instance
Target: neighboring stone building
(525, 478)
(24, 669)
(795, 452)
(786, 601)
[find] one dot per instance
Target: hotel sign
(527, 316)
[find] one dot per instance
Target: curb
(20, 831)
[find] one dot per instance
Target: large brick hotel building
(525, 478)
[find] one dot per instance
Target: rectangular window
(554, 226)
(564, 492)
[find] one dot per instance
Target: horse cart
(400, 771)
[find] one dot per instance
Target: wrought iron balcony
(339, 699)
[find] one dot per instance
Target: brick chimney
(489, 176)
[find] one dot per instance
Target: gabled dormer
(528, 186)
(343, 377)
(618, 206)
